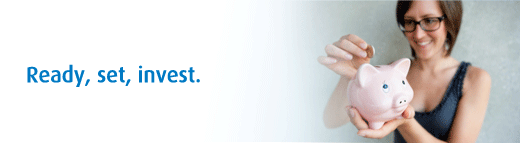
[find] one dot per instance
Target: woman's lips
(424, 44)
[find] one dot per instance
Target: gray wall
(489, 39)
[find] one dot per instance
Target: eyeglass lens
(428, 24)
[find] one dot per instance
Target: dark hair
(452, 11)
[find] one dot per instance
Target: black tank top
(438, 121)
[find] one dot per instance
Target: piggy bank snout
(401, 101)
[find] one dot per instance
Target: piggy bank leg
(375, 125)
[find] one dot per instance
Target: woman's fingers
(340, 67)
(350, 47)
(387, 128)
(336, 52)
(356, 119)
(326, 60)
(356, 40)
(346, 55)
(409, 112)
(343, 68)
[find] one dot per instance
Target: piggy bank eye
(385, 88)
(403, 82)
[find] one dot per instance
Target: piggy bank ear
(365, 73)
(402, 65)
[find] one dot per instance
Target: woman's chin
(423, 54)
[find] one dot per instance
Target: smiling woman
(450, 97)
(434, 19)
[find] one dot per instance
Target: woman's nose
(419, 32)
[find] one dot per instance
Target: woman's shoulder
(476, 75)
(476, 80)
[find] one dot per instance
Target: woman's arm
(469, 116)
(472, 107)
(344, 58)
(413, 132)
(335, 113)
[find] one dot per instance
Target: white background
(236, 49)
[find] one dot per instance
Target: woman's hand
(387, 128)
(346, 55)
(343, 57)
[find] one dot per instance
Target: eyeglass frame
(419, 22)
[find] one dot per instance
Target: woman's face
(426, 44)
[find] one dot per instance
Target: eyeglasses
(427, 24)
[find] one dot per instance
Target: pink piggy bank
(381, 93)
